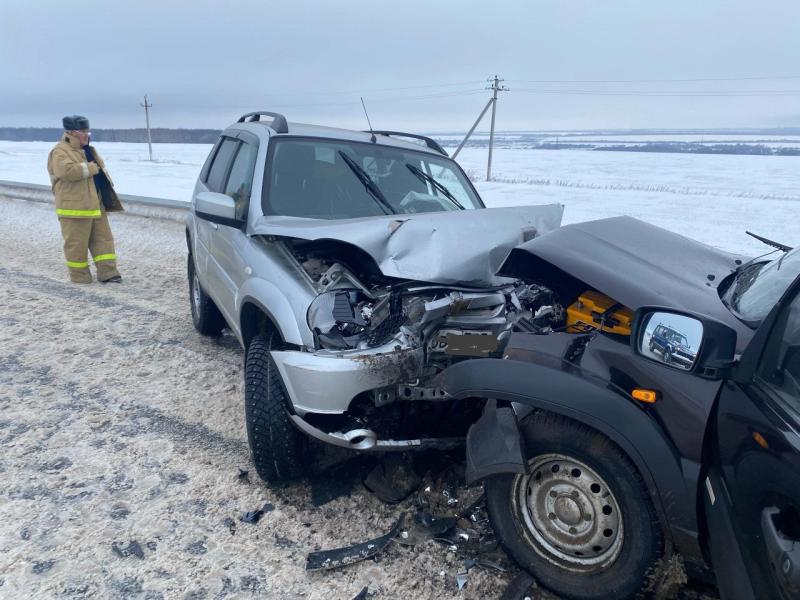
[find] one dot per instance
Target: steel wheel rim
(195, 293)
(569, 513)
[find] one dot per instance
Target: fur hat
(75, 123)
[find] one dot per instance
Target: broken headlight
(348, 319)
(340, 318)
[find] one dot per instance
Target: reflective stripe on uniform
(69, 212)
(77, 265)
(100, 257)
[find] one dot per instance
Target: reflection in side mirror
(671, 339)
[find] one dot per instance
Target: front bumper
(326, 382)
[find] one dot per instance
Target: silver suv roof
(333, 133)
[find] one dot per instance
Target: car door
(230, 243)
(752, 495)
(207, 231)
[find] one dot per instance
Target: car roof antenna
(373, 139)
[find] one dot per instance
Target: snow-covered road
(120, 424)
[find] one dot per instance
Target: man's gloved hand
(94, 168)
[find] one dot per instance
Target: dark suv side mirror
(684, 341)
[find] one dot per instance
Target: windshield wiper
(425, 177)
(768, 242)
(370, 185)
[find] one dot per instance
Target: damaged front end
(379, 344)
(368, 380)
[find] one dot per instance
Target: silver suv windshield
(759, 287)
(332, 179)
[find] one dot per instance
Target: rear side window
(209, 160)
(240, 181)
(219, 168)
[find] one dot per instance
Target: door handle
(783, 552)
(213, 225)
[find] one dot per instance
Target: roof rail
(429, 142)
(279, 123)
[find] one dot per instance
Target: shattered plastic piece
(451, 497)
(461, 579)
(254, 516)
(520, 587)
(243, 476)
(341, 557)
(362, 594)
(393, 479)
(132, 549)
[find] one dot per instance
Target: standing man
(84, 193)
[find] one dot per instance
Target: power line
(697, 79)
(657, 93)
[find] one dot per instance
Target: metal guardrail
(163, 208)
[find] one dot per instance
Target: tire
(277, 446)
(601, 510)
(205, 315)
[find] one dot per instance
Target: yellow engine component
(592, 308)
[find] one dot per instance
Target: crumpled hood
(631, 261)
(454, 247)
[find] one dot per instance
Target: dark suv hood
(631, 261)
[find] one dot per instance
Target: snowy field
(122, 430)
(706, 197)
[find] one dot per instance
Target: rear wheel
(278, 448)
(205, 315)
(580, 519)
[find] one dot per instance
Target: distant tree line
(175, 136)
(694, 148)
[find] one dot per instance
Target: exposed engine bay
(358, 310)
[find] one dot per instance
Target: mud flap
(494, 444)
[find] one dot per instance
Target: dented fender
(514, 389)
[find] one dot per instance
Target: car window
(781, 361)
(207, 165)
(333, 179)
(240, 180)
(219, 168)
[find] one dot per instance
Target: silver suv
(353, 267)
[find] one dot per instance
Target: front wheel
(278, 448)
(580, 519)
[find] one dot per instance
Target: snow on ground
(119, 423)
(706, 197)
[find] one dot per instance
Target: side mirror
(217, 208)
(686, 342)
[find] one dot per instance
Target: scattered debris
(338, 480)
(243, 476)
(132, 549)
(341, 557)
(254, 516)
(393, 479)
(522, 587)
(362, 595)
(230, 524)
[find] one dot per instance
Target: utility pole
(495, 87)
(147, 108)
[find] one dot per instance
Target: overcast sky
(419, 65)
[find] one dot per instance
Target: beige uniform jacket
(73, 184)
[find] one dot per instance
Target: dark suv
(601, 459)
